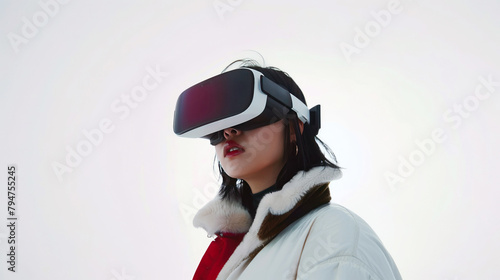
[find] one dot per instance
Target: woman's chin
(236, 174)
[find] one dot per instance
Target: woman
(273, 218)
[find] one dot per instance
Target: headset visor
(215, 99)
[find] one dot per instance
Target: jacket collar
(228, 215)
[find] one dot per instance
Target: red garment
(217, 254)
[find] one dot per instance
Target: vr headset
(243, 99)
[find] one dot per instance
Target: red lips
(231, 149)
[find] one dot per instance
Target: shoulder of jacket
(339, 227)
(337, 236)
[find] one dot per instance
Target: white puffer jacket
(288, 240)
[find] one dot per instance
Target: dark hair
(309, 153)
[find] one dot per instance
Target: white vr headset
(243, 99)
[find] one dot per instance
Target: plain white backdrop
(105, 190)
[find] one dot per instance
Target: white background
(125, 209)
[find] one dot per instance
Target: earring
(296, 149)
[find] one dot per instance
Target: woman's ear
(301, 125)
(292, 131)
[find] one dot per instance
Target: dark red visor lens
(222, 96)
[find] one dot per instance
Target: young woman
(273, 218)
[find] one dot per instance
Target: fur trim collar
(223, 215)
(231, 216)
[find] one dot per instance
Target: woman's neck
(257, 197)
(264, 179)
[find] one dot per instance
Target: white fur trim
(223, 215)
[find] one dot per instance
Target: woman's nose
(231, 132)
